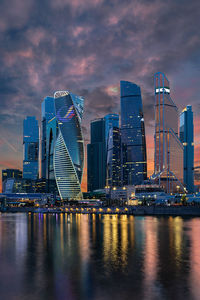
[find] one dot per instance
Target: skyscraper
(65, 149)
(31, 148)
(187, 138)
(48, 112)
(96, 156)
(134, 164)
(113, 178)
(111, 120)
(168, 163)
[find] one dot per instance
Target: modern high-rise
(168, 160)
(134, 162)
(65, 149)
(187, 139)
(111, 120)
(48, 112)
(113, 174)
(31, 148)
(96, 156)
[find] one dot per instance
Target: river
(100, 257)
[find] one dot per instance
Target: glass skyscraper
(111, 120)
(96, 156)
(47, 114)
(51, 136)
(168, 161)
(113, 178)
(134, 163)
(65, 149)
(31, 148)
(187, 138)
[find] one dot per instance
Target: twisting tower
(68, 158)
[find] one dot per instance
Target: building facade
(96, 156)
(111, 120)
(134, 161)
(65, 149)
(31, 148)
(11, 173)
(187, 139)
(18, 185)
(168, 160)
(113, 178)
(48, 113)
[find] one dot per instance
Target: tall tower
(31, 148)
(96, 156)
(65, 145)
(48, 112)
(187, 138)
(111, 120)
(168, 161)
(133, 140)
(113, 178)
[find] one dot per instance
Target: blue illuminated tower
(133, 140)
(187, 138)
(31, 148)
(65, 149)
(111, 120)
(48, 112)
(96, 156)
(113, 172)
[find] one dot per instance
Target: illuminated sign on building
(64, 116)
(161, 90)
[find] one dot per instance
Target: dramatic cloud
(87, 47)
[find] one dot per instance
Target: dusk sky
(87, 47)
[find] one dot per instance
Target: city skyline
(84, 179)
(35, 62)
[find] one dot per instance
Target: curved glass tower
(68, 152)
(168, 161)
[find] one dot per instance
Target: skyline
(81, 47)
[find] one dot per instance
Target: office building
(134, 162)
(51, 137)
(48, 112)
(168, 161)
(96, 156)
(11, 173)
(187, 139)
(31, 148)
(65, 149)
(18, 185)
(113, 178)
(111, 120)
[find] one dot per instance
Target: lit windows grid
(168, 149)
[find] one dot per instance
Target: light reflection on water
(81, 256)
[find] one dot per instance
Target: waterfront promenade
(129, 210)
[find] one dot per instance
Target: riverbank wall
(136, 210)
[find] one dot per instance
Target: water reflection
(151, 258)
(194, 235)
(99, 257)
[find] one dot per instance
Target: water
(98, 257)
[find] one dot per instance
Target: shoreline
(135, 211)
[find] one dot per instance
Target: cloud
(87, 47)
